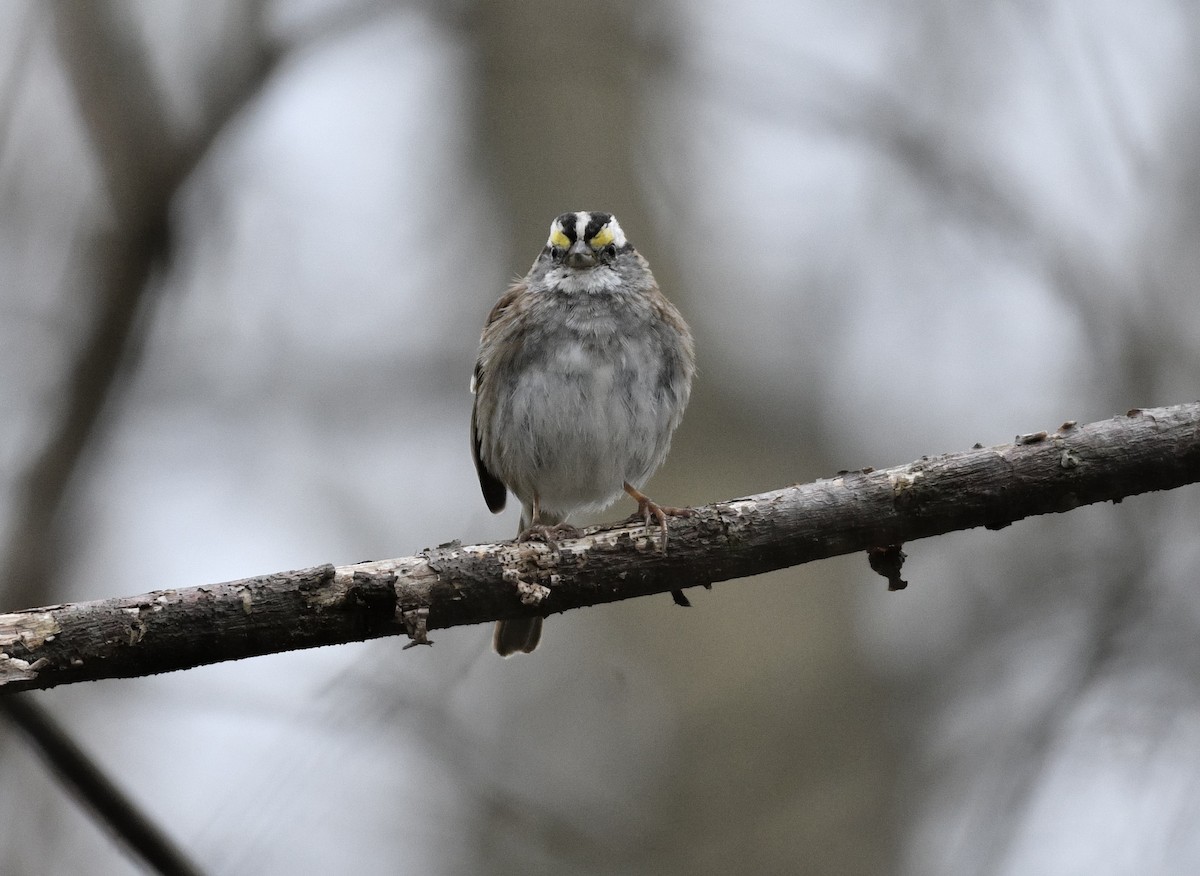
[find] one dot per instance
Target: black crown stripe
(567, 221)
(598, 221)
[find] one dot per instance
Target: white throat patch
(574, 280)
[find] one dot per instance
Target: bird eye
(610, 251)
(556, 252)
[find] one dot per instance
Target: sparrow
(583, 374)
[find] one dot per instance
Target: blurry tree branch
(451, 585)
(144, 158)
(961, 176)
(110, 805)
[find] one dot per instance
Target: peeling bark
(455, 584)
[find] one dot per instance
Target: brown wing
(494, 492)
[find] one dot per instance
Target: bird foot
(648, 508)
(549, 535)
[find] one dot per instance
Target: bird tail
(519, 635)
(522, 634)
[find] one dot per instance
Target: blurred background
(246, 249)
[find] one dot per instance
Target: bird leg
(549, 533)
(648, 508)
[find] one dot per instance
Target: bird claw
(549, 535)
(648, 508)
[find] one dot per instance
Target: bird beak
(580, 255)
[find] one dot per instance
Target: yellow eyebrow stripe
(603, 237)
(557, 238)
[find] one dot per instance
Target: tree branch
(451, 585)
(79, 773)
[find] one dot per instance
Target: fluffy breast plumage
(583, 391)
